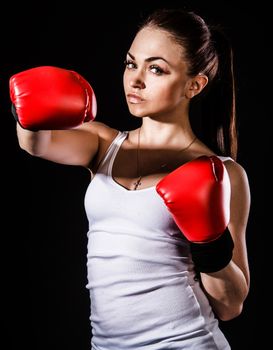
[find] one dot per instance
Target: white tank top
(140, 273)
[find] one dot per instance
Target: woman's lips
(134, 98)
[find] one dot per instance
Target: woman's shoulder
(101, 129)
(237, 174)
(106, 136)
(105, 133)
(233, 166)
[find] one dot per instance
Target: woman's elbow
(230, 312)
(30, 150)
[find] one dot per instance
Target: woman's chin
(137, 113)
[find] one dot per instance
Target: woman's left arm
(228, 288)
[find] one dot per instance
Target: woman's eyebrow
(149, 59)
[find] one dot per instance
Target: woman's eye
(156, 70)
(153, 68)
(129, 64)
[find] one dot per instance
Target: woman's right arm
(77, 146)
(55, 110)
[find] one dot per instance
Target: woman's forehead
(154, 42)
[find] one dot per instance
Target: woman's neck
(156, 133)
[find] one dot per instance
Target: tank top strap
(109, 156)
(223, 158)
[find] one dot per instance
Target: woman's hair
(207, 51)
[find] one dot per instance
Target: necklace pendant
(137, 183)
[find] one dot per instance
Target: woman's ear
(195, 85)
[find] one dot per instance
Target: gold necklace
(139, 175)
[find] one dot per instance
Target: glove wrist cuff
(212, 256)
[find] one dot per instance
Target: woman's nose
(137, 82)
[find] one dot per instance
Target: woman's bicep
(72, 147)
(77, 146)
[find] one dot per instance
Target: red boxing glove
(46, 97)
(198, 196)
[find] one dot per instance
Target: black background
(45, 302)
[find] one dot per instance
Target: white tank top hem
(140, 274)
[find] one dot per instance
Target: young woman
(164, 262)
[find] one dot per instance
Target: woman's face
(155, 74)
